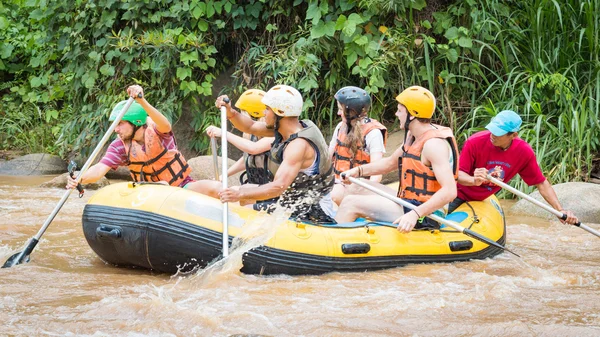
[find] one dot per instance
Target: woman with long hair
(357, 139)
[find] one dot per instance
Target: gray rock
(61, 182)
(33, 164)
(581, 198)
(203, 169)
(121, 173)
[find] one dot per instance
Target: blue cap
(504, 122)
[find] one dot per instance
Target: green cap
(136, 115)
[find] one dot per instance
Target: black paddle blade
(16, 259)
(474, 235)
(21, 257)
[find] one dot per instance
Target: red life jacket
(417, 181)
(341, 158)
(154, 162)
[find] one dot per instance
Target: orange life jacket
(153, 162)
(417, 181)
(341, 158)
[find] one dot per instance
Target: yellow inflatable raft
(169, 229)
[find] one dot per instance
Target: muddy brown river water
(66, 290)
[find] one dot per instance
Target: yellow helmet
(250, 101)
(419, 101)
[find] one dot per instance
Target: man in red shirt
(501, 152)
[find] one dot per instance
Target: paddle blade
(474, 235)
(16, 259)
(21, 257)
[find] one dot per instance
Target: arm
(549, 194)
(92, 175)
(382, 166)
(261, 146)
(248, 146)
(375, 145)
(285, 176)
(162, 123)
(467, 163)
(242, 122)
(478, 178)
(333, 141)
(245, 145)
(239, 166)
(437, 153)
(377, 156)
(240, 142)
(547, 191)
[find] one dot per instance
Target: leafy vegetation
(65, 64)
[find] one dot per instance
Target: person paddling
(303, 175)
(254, 160)
(145, 144)
(357, 139)
(500, 152)
(427, 163)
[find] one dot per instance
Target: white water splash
(254, 233)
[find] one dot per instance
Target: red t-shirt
(479, 151)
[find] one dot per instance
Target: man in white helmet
(299, 160)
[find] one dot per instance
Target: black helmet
(354, 98)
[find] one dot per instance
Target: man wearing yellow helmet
(250, 103)
(428, 168)
(253, 161)
(303, 174)
(145, 144)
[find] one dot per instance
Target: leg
(340, 191)
(207, 187)
(337, 194)
(373, 207)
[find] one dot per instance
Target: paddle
(23, 256)
(439, 219)
(540, 204)
(213, 148)
(224, 175)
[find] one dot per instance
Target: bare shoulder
(435, 149)
(299, 148)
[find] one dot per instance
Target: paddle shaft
(34, 241)
(539, 204)
(224, 180)
(439, 219)
(213, 148)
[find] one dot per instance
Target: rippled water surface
(66, 290)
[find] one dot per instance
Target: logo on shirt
(497, 172)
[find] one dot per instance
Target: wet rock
(121, 173)
(61, 182)
(203, 168)
(34, 164)
(581, 198)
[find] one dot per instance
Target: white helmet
(284, 100)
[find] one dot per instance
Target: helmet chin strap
(406, 123)
(278, 136)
